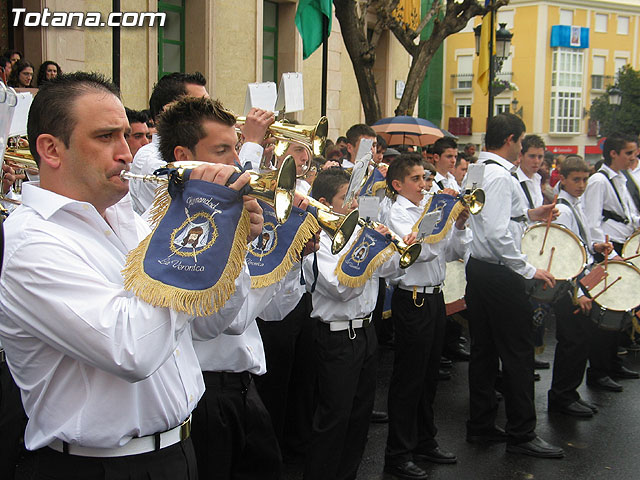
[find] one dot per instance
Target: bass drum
(613, 309)
(455, 284)
(631, 248)
(564, 256)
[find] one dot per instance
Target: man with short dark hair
(108, 381)
(445, 151)
(354, 135)
(137, 135)
(501, 320)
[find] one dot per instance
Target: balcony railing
(460, 125)
(461, 81)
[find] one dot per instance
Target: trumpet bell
(408, 254)
(474, 200)
(339, 227)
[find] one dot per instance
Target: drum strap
(525, 189)
(521, 218)
(440, 184)
(581, 228)
(632, 186)
(608, 215)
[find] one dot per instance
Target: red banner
(563, 148)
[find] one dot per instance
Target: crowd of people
(99, 383)
(18, 72)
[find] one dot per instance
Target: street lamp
(615, 96)
(503, 46)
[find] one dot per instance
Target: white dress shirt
(96, 365)
(494, 241)
(601, 196)
(533, 186)
(245, 352)
(302, 186)
(333, 301)
(148, 159)
(569, 220)
(448, 181)
(430, 267)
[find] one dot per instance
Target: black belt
(609, 215)
(227, 379)
(3, 356)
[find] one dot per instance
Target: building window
(566, 90)
(171, 38)
(501, 107)
(597, 75)
(270, 42)
(623, 25)
(619, 62)
(464, 108)
(566, 17)
(601, 22)
(464, 78)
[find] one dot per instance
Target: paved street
(604, 447)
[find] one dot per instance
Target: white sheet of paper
(360, 170)
(260, 95)
(474, 177)
(368, 207)
(427, 224)
(290, 93)
(21, 114)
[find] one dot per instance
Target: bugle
(474, 199)
(408, 253)
(339, 227)
(276, 188)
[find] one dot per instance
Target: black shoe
(536, 377)
(624, 372)
(589, 405)
(575, 409)
(540, 365)
(622, 351)
(604, 383)
(445, 363)
(435, 455)
(499, 396)
(536, 448)
(379, 417)
(408, 470)
(444, 375)
(462, 339)
(633, 347)
(458, 352)
(497, 435)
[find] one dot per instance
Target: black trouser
(414, 379)
(12, 423)
(573, 333)
(346, 391)
(288, 387)
(232, 432)
(176, 462)
(383, 326)
(501, 327)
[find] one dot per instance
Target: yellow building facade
(232, 42)
(552, 80)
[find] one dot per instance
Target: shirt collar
(570, 198)
(522, 177)
(609, 171)
(406, 203)
(484, 156)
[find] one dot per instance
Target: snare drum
(564, 256)
(455, 283)
(631, 248)
(614, 307)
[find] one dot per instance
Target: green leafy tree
(625, 117)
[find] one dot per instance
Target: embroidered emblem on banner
(367, 253)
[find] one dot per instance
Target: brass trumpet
(21, 158)
(474, 199)
(275, 188)
(339, 227)
(408, 253)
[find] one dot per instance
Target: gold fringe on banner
(193, 302)
(160, 205)
(374, 264)
(453, 216)
(305, 232)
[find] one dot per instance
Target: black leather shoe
(408, 470)
(497, 435)
(445, 363)
(540, 365)
(536, 448)
(604, 383)
(589, 405)
(575, 409)
(536, 377)
(444, 375)
(458, 352)
(379, 417)
(624, 372)
(435, 455)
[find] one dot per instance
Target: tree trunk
(362, 57)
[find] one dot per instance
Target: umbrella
(406, 130)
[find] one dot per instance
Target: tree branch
(428, 16)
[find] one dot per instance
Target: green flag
(309, 22)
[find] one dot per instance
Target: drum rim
(573, 235)
(628, 241)
(627, 264)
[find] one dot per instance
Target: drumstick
(638, 247)
(631, 258)
(546, 232)
(603, 290)
(553, 250)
